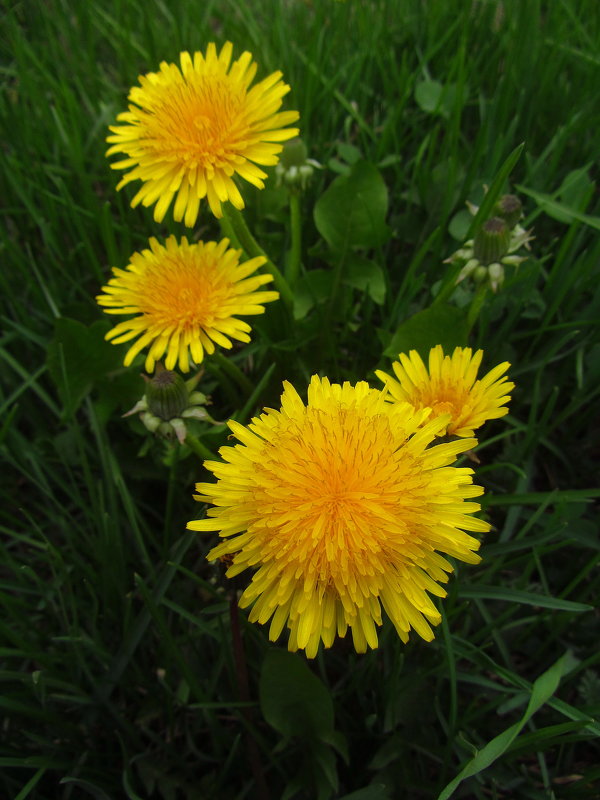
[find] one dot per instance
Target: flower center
(443, 398)
(335, 507)
(200, 122)
(183, 294)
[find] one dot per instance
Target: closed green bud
(295, 169)
(510, 209)
(492, 241)
(166, 394)
(294, 153)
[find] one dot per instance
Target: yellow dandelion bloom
(190, 129)
(342, 509)
(450, 387)
(186, 298)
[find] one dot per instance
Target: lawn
(129, 666)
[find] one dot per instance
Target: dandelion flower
(191, 128)
(342, 509)
(450, 387)
(186, 298)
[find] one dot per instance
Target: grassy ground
(117, 677)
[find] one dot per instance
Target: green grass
(117, 673)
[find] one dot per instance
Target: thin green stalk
(241, 670)
(234, 372)
(476, 305)
(414, 265)
(196, 445)
(228, 231)
(293, 266)
(171, 484)
(448, 285)
(253, 249)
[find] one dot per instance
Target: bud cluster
(494, 245)
(168, 402)
(295, 169)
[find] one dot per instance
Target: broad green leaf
(542, 690)
(390, 751)
(349, 153)
(437, 98)
(364, 274)
(293, 699)
(441, 324)
(428, 95)
(117, 392)
(326, 774)
(77, 357)
(352, 211)
(518, 596)
(338, 741)
(312, 289)
(459, 225)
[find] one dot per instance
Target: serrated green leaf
(293, 700)
(352, 211)
(117, 391)
(441, 324)
(77, 357)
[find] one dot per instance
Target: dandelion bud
(170, 402)
(294, 153)
(491, 241)
(295, 169)
(166, 394)
(510, 209)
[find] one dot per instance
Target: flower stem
(448, 286)
(231, 368)
(241, 670)
(476, 306)
(196, 445)
(228, 231)
(293, 266)
(253, 249)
